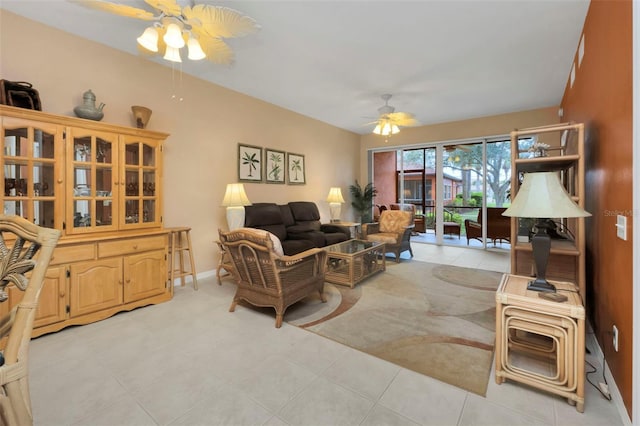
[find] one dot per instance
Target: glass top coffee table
(352, 261)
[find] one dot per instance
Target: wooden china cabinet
(100, 184)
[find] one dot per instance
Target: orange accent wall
(384, 169)
(601, 97)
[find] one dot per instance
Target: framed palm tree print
(295, 169)
(249, 163)
(274, 166)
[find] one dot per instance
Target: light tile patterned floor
(191, 362)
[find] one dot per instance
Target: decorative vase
(88, 107)
(141, 115)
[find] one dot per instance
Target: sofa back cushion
(265, 216)
(304, 211)
(306, 215)
(287, 217)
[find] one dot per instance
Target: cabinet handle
(128, 280)
(60, 181)
(62, 294)
(135, 247)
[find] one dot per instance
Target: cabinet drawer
(133, 245)
(68, 254)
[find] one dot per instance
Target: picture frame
(275, 169)
(295, 169)
(249, 163)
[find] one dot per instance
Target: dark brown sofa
(498, 226)
(296, 224)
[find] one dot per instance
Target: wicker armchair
(20, 241)
(266, 277)
(394, 229)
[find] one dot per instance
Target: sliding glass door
(452, 186)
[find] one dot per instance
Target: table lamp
(335, 203)
(542, 196)
(234, 200)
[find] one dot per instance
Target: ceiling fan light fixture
(172, 54)
(378, 129)
(195, 50)
(149, 39)
(173, 36)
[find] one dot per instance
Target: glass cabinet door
(32, 176)
(91, 175)
(141, 163)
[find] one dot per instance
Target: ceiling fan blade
(404, 119)
(118, 9)
(217, 51)
(168, 7)
(218, 21)
(401, 116)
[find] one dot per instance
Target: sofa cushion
(304, 211)
(260, 214)
(292, 247)
(287, 217)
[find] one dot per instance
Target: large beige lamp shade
(335, 201)
(234, 200)
(542, 196)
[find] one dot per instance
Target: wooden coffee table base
(352, 261)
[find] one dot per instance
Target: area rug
(438, 320)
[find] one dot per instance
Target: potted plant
(363, 200)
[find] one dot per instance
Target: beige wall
(205, 128)
(200, 155)
(457, 130)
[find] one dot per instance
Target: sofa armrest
(327, 227)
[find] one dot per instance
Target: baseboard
(199, 275)
(616, 398)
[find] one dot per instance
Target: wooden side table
(532, 326)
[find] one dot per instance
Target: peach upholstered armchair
(25, 252)
(266, 277)
(394, 229)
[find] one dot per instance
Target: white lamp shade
(335, 195)
(543, 196)
(378, 129)
(149, 39)
(195, 50)
(234, 200)
(173, 36)
(172, 54)
(235, 196)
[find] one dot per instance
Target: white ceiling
(331, 60)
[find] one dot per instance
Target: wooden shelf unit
(566, 156)
(101, 185)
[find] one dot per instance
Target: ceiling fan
(389, 121)
(176, 23)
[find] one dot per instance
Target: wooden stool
(179, 243)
